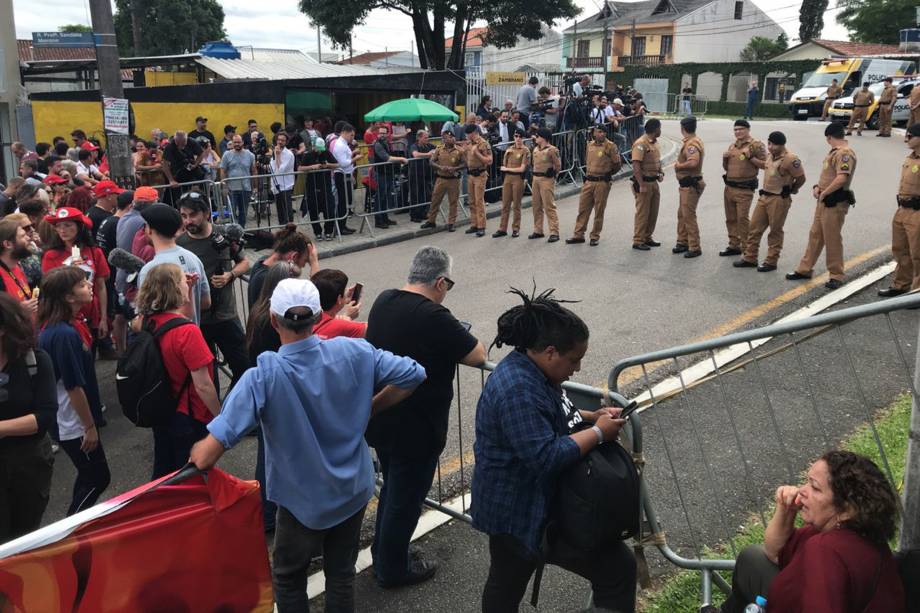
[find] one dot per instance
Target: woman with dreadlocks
(524, 441)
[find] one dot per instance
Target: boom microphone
(126, 261)
(232, 231)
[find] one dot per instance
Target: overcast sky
(248, 23)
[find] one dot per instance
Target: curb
(409, 234)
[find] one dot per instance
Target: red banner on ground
(195, 546)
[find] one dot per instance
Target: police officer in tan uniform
(546, 164)
(862, 100)
(834, 200)
(447, 161)
(783, 176)
(602, 161)
(905, 227)
(741, 161)
(833, 92)
(689, 171)
(514, 165)
(885, 107)
(478, 159)
(646, 166)
(914, 103)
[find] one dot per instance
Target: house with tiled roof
(479, 54)
(655, 32)
(823, 49)
(382, 59)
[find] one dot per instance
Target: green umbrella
(411, 109)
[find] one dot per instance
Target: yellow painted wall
(652, 38)
(157, 78)
(53, 118)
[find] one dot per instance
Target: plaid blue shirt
(522, 445)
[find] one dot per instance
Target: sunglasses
(450, 283)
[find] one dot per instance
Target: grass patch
(680, 593)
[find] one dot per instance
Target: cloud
(283, 26)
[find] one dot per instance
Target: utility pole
(319, 42)
(109, 69)
(909, 539)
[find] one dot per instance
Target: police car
(843, 107)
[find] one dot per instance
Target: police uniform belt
(861, 106)
(649, 178)
(448, 177)
(783, 194)
(516, 174)
(597, 178)
(750, 184)
(548, 173)
(841, 195)
(884, 103)
(829, 98)
(913, 202)
(475, 172)
(689, 181)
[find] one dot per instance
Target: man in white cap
(319, 467)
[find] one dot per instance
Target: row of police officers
(742, 161)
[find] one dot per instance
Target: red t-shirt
(184, 350)
(330, 327)
(15, 283)
(94, 263)
(835, 572)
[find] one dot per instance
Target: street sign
(115, 115)
(63, 39)
(505, 78)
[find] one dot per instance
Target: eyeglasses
(450, 283)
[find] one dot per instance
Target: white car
(900, 113)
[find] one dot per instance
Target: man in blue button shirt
(313, 399)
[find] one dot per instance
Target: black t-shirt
(30, 395)
(215, 261)
(196, 134)
(409, 324)
(265, 339)
(319, 180)
(256, 279)
(105, 235)
(97, 215)
(178, 159)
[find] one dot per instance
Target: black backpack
(597, 502)
(141, 379)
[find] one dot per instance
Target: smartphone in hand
(356, 294)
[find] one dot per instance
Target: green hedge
(772, 110)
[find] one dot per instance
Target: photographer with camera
(526, 98)
(183, 157)
(224, 263)
(546, 113)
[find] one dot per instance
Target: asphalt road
(632, 301)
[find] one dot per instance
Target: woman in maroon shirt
(839, 561)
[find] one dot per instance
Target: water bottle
(758, 606)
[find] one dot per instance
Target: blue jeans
(269, 508)
(406, 481)
(384, 193)
(239, 201)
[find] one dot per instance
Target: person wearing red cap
(73, 245)
(106, 193)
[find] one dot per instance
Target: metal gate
(654, 92)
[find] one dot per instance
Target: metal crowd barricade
(734, 417)
(683, 105)
(624, 135)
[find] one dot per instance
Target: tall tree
(75, 27)
(877, 21)
(508, 21)
(167, 26)
(761, 48)
(811, 19)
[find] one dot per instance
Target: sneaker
(320, 237)
(419, 572)
(55, 447)
(427, 225)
